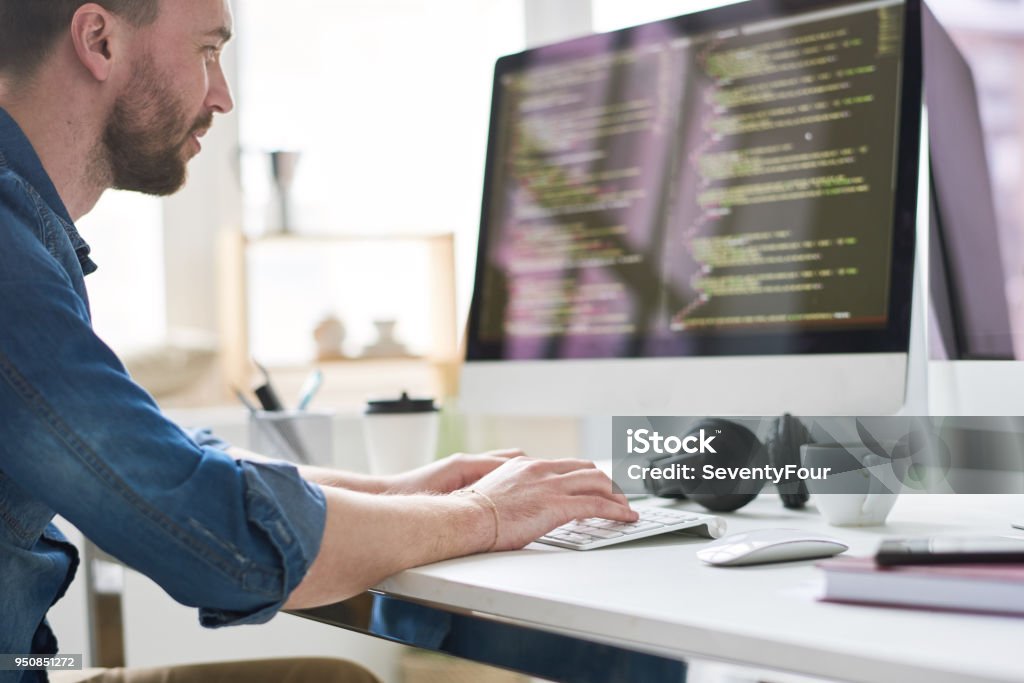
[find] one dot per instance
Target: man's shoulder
(23, 251)
(19, 203)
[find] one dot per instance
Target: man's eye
(211, 52)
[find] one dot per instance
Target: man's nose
(219, 98)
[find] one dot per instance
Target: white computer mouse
(769, 545)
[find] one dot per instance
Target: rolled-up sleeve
(232, 538)
(204, 436)
(271, 489)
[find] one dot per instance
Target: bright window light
(610, 15)
(126, 293)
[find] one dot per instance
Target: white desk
(654, 596)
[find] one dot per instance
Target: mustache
(203, 123)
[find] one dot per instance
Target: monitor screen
(730, 182)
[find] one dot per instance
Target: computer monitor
(710, 214)
(967, 280)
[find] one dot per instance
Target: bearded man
(118, 94)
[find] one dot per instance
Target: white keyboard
(587, 534)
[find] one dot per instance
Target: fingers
(504, 453)
(473, 467)
(560, 466)
(566, 466)
(598, 506)
(592, 482)
(591, 487)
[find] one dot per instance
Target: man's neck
(64, 138)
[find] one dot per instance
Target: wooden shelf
(439, 363)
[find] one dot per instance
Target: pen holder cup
(304, 438)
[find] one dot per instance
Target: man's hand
(449, 474)
(532, 497)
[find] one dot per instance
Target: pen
(309, 388)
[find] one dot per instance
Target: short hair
(29, 29)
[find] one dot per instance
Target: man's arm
(440, 476)
(368, 538)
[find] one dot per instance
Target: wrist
(485, 505)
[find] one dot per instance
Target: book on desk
(982, 588)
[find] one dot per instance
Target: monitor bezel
(893, 338)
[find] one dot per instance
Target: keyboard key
(684, 519)
(604, 524)
(600, 533)
(574, 538)
(637, 527)
(666, 515)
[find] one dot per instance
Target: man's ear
(93, 30)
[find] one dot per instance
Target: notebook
(986, 588)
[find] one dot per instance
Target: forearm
(368, 538)
(363, 483)
(320, 475)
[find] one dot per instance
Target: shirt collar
(17, 153)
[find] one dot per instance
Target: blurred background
(368, 121)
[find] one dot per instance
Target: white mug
(860, 488)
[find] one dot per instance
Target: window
(126, 293)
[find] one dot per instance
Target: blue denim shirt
(80, 439)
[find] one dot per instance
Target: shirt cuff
(292, 513)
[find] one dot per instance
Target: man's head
(150, 71)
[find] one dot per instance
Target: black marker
(266, 394)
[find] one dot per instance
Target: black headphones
(736, 446)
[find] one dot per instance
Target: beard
(145, 141)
